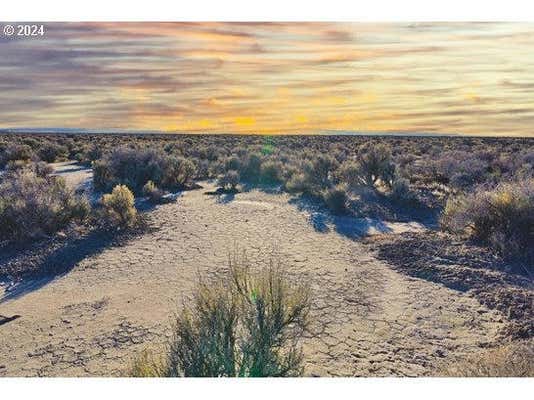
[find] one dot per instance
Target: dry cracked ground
(368, 320)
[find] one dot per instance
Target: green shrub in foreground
(249, 324)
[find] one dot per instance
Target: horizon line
(324, 132)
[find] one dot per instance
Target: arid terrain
(379, 308)
(368, 319)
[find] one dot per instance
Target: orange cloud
(272, 77)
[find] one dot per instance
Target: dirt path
(368, 319)
(77, 176)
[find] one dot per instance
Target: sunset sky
(465, 78)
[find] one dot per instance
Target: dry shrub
(271, 172)
(51, 152)
(298, 183)
(178, 172)
(312, 177)
(229, 180)
(350, 173)
(400, 191)
(502, 217)
(319, 172)
(154, 194)
(33, 205)
(251, 171)
(16, 152)
(336, 199)
(248, 324)
(135, 167)
(148, 365)
(376, 163)
(119, 209)
(373, 165)
(512, 360)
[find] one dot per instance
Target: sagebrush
(247, 324)
(502, 218)
(34, 204)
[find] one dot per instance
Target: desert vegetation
(34, 204)
(247, 324)
(119, 207)
(387, 177)
(135, 168)
(470, 200)
(501, 217)
(512, 360)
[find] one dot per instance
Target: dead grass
(512, 360)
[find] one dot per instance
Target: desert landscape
(393, 255)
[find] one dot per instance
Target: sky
(272, 78)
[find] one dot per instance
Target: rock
(439, 353)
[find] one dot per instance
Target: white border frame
(271, 10)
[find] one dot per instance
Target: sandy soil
(368, 320)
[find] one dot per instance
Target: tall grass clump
(248, 324)
(502, 218)
(34, 204)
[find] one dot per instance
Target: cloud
(271, 77)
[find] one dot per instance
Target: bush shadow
(225, 198)
(61, 261)
(350, 226)
(269, 188)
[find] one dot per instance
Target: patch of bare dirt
(78, 177)
(441, 258)
(367, 319)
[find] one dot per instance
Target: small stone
(439, 353)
